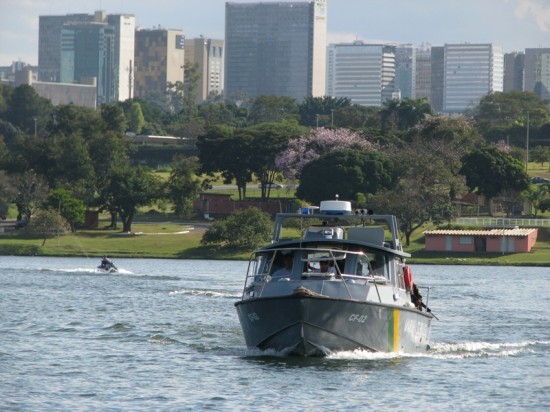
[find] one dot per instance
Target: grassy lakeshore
(174, 240)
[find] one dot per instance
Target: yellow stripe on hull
(395, 330)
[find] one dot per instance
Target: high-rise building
(513, 71)
(471, 71)
(159, 60)
(423, 72)
(208, 55)
(364, 73)
(276, 49)
(124, 26)
(537, 72)
(405, 70)
(49, 43)
(87, 52)
(437, 78)
(78, 46)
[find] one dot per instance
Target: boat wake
(89, 270)
(484, 349)
(206, 293)
(436, 351)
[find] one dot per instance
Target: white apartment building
(208, 55)
(364, 73)
(471, 71)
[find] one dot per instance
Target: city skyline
(513, 24)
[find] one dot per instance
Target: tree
(317, 142)
(192, 76)
(269, 109)
(27, 110)
(70, 208)
(72, 164)
(114, 119)
(243, 229)
(503, 116)
(219, 113)
(320, 111)
(269, 140)
(226, 150)
(129, 188)
(489, 171)
(540, 154)
(135, 118)
(31, 190)
(70, 119)
(48, 223)
(412, 207)
(537, 195)
(347, 173)
(7, 193)
(182, 187)
(406, 113)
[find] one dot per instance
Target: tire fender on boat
(408, 277)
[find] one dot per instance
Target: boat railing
(262, 265)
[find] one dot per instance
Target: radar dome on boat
(335, 207)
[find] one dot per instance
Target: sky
(513, 24)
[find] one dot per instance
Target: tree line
(400, 158)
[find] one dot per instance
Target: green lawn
(173, 240)
(159, 235)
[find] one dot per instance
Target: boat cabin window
(370, 263)
(311, 260)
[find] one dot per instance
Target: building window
(465, 240)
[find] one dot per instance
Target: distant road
(224, 187)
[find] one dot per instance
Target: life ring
(408, 277)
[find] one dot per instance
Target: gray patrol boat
(343, 284)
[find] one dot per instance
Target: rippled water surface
(164, 335)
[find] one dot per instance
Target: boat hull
(318, 326)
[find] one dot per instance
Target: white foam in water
(205, 292)
(481, 349)
(363, 354)
(91, 270)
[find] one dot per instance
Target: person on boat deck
(286, 270)
(416, 299)
(324, 267)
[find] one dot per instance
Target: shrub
(244, 228)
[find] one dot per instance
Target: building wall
(405, 70)
(437, 77)
(124, 28)
(60, 93)
(159, 59)
(275, 49)
(513, 71)
(537, 72)
(362, 72)
(423, 73)
(49, 43)
(319, 48)
(87, 50)
(471, 71)
(61, 46)
(493, 244)
(208, 55)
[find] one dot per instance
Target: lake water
(164, 335)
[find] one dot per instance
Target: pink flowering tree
(316, 143)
